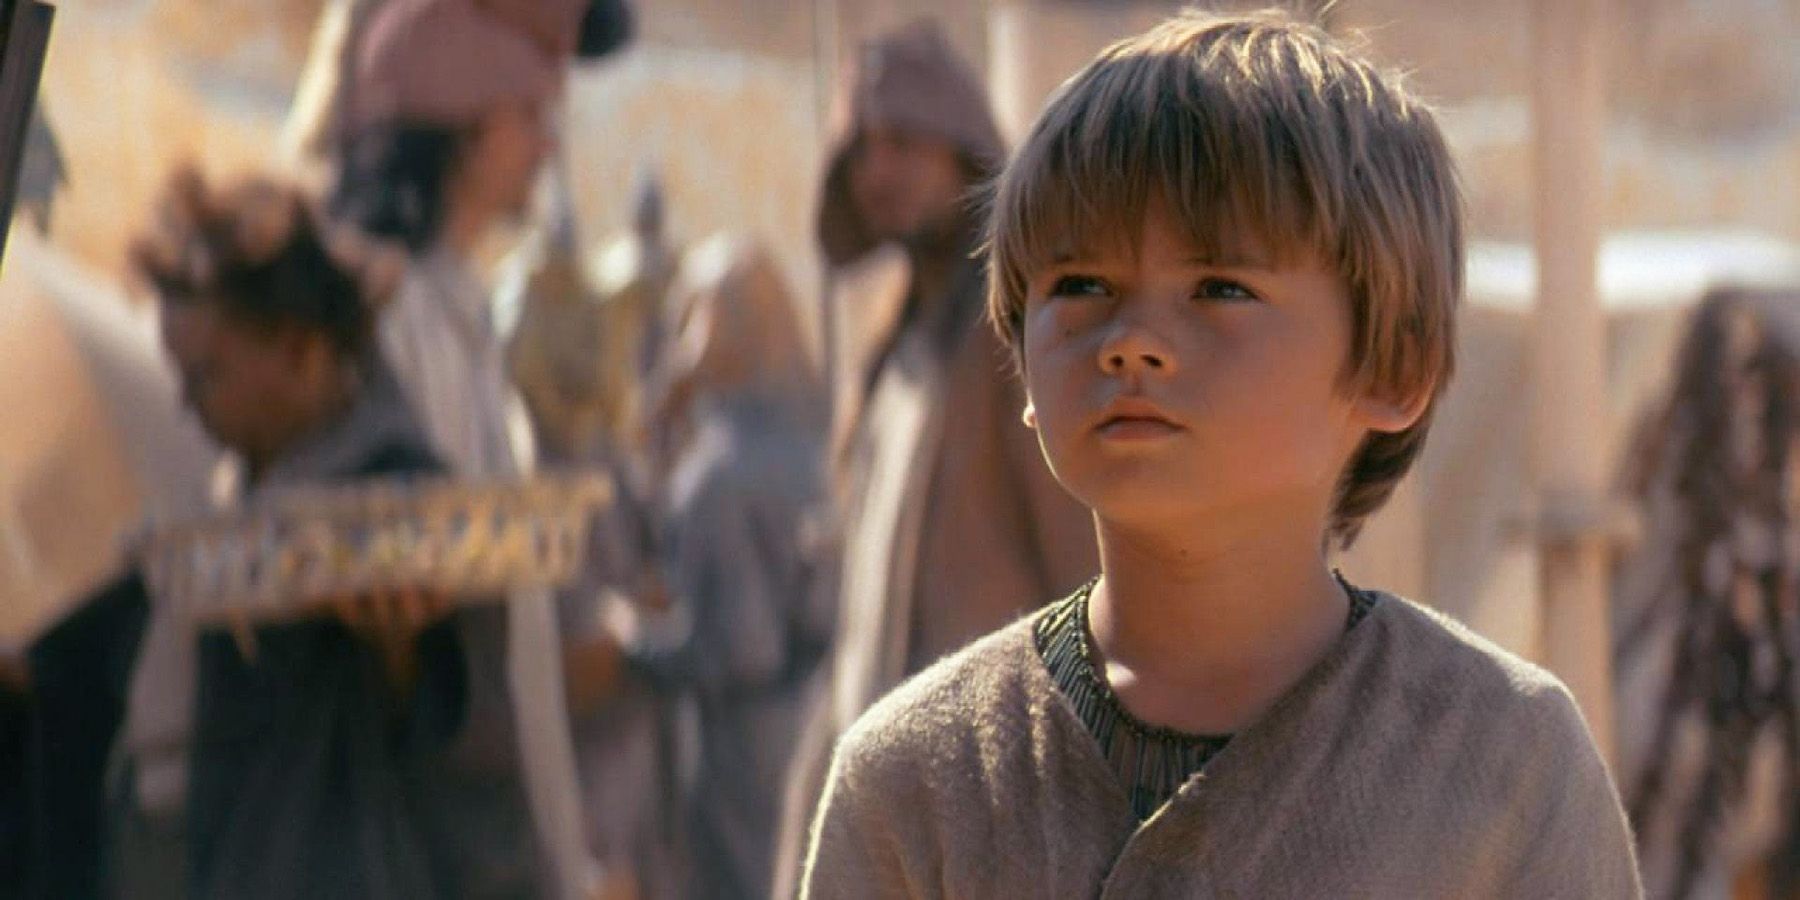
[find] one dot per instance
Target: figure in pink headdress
(440, 127)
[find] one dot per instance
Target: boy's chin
(1143, 502)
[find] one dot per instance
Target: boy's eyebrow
(1228, 260)
(1231, 260)
(1219, 258)
(1068, 257)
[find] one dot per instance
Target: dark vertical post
(23, 43)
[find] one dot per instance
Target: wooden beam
(1569, 353)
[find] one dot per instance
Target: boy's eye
(1224, 289)
(1079, 286)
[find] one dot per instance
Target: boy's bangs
(1224, 172)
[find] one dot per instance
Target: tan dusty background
(726, 102)
(727, 99)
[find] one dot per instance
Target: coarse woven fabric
(1415, 760)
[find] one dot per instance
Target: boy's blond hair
(1261, 126)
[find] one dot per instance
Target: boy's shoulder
(1436, 662)
(976, 697)
(1488, 732)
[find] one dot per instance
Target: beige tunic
(953, 515)
(1415, 760)
(951, 519)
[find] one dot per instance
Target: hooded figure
(554, 344)
(951, 522)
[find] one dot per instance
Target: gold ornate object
(282, 556)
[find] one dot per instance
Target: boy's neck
(1202, 630)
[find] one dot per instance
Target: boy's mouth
(1134, 418)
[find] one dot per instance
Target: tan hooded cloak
(952, 524)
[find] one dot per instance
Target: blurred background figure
(635, 271)
(314, 741)
(434, 152)
(951, 522)
(586, 328)
(1708, 611)
(753, 593)
(576, 347)
(556, 341)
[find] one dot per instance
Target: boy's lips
(1134, 418)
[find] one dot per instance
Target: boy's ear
(1029, 417)
(1391, 413)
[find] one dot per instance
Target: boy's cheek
(1056, 427)
(1048, 343)
(1041, 324)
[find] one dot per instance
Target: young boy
(1227, 257)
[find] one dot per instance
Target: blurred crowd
(796, 525)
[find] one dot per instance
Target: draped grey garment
(757, 596)
(310, 776)
(439, 337)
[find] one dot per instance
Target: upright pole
(1033, 45)
(1569, 352)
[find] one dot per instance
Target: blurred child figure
(315, 743)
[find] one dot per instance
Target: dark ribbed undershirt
(1152, 762)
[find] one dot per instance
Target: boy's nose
(1117, 362)
(1135, 349)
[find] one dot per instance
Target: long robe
(759, 618)
(309, 776)
(952, 522)
(439, 337)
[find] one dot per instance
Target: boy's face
(1169, 389)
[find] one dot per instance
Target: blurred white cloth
(95, 441)
(438, 336)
